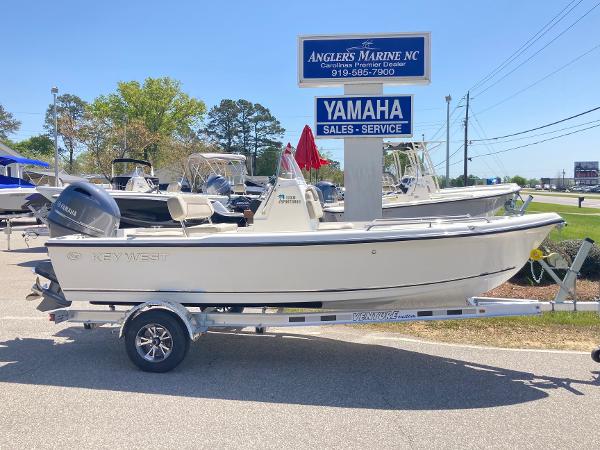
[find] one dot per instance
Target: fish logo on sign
(73, 256)
(367, 45)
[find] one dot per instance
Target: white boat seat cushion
(190, 207)
(335, 226)
(315, 210)
(239, 188)
(211, 228)
(178, 232)
(174, 187)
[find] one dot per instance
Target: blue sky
(248, 50)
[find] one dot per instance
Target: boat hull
(477, 204)
(338, 271)
(12, 200)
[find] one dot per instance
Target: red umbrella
(307, 155)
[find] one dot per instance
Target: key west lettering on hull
(129, 257)
(348, 116)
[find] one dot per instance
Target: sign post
(363, 116)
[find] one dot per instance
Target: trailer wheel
(596, 355)
(156, 341)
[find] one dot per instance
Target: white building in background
(586, 172)
(5, 150)
(11, 169)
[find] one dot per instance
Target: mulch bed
(586, 290)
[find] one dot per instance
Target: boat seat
(174, 187)
(239, 188)
(206, 228)
(190, 207)
(315, 210)
(195, 207)
(335, 226)
(211, 228)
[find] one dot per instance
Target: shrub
(568, 249)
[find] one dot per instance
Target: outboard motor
(81, 208)
(217, 185)
(328, 190)
(84, 208)
(240, 204)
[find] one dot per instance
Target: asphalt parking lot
(308, 387)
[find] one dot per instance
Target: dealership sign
(348, 116)
(392, 58)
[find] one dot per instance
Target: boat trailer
(157, 334)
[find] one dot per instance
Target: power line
(458, 105)
(538, 142)
(539, 50)
(483, 134)
(532, 40)
(540, 127)
(451, 155)
(539, 134)
(541, 79)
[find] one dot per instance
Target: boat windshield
(288, 167)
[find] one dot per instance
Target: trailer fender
(179, 311)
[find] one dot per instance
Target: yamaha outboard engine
(84, 208)
(81, 208)
(329, 191)
(217, 185)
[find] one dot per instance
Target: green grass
(561, 330)
(564, 319)
(581, 222)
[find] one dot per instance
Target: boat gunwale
(150, 242)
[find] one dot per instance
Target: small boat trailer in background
(157, 334)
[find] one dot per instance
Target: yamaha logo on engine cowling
(66, 209)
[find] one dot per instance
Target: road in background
(589, 202)
(338, 387)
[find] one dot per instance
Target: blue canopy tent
(11, 182)
(5, 160)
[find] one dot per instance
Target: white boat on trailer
(385, 270)
(296, 259)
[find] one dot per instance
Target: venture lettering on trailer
(360, 116)
(394, 58)
(382, 316)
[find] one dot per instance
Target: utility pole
(448, 100)
(466, 142)
(54, 91)
(563, 180)
(125, 138)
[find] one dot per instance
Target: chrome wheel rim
(153, 342)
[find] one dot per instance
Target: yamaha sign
(392, 58)
(346, 116)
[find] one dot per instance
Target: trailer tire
(156, 341)
(596, 355)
